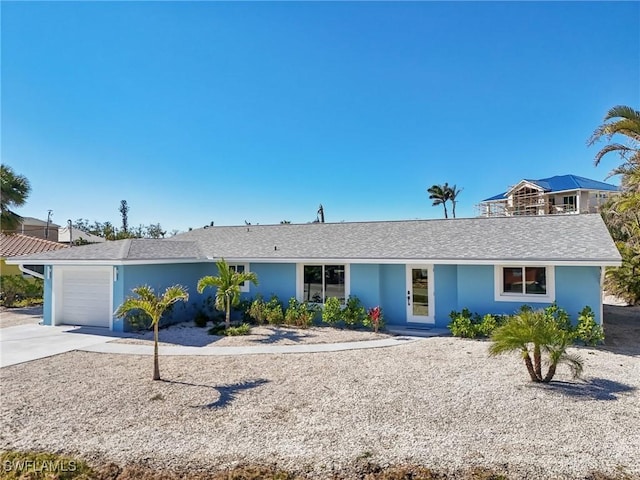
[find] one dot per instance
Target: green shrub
(273, 311)
(201, 319)
(354, 313)
(137, 320)
(300, 314)
(464, 324)
(243, 307)
(559, 316)
(489, 323)
(242, 329)
(374, 319)
(332, 311)
(258, 310)
(16, 289)
(587, 330)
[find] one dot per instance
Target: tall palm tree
(14, 190)
(154, 306)
(440, 195)
(533, 333)
(228, 283)
(620, 120)
(452, 195)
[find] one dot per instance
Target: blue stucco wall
(445, 292)
(159, 277)
(577, 287)
(274, 279)
(393, 280)
(365, 284)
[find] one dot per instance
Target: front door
(420, 307)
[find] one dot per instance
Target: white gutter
(30, 272)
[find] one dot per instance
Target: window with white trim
(317, 282)
(516, 283)
(241, 268)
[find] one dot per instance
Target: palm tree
(452, 195)
(533, 333)
(625, 122)
(228, 283)
(154, 306)
(440, 195)
(14, 190)
(622, 212)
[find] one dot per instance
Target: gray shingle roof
(538, 238)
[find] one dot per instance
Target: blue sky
(226, 112)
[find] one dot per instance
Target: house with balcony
(561, 194)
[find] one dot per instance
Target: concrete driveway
(24, 343)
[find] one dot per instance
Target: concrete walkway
(129, 349)
(24, 343)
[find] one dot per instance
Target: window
(316, 283)
(240, 268)
(569, 203)
(524, 283)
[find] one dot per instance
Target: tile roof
(561, 183)
(570, 238)
(19, 244)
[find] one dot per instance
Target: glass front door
(420, 294)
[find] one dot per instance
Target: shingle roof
(63, 236)
(19, 244)
(561, 183)
(582, 238)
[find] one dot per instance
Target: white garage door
(86, 297)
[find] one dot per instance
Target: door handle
(408, 298)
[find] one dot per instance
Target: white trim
(300, 278)
(500, 296)
(431, 318)
(602, 273)
(527, 183)
(403, 261)
(30, 272)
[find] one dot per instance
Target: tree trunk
(550, 373)
(156, 365)
(530, 369)
(537, 360)
(444, 205)
(227, 320)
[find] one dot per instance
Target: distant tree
(285, 222)
(227, 283)
(14, 190)
(155, 231)
(154, 306)
(622, 212)
(440, 196)
(452, 196)
(124, 211)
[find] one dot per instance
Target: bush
(300, 314)
(16, 288)
(354, 313)
(374, 319)
(559, 316)
(242, 329)
(332, 311)
(258, 310)
(273, 311)
(464, 324)
(471, 325)
(587, 330)
(243, 307)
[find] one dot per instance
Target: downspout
(602, 272)
(70, 233)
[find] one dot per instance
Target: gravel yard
(439, 402)
(188, 334)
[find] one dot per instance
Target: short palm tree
(228, 283)
(535, 333)
(154, 306)
(14, 190)
(440, 196)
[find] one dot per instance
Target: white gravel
(187, 334)
(439, 402)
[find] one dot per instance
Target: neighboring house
(549, 196)
(18, 244)
(418, 271)
(34, 227)
(66, 235)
